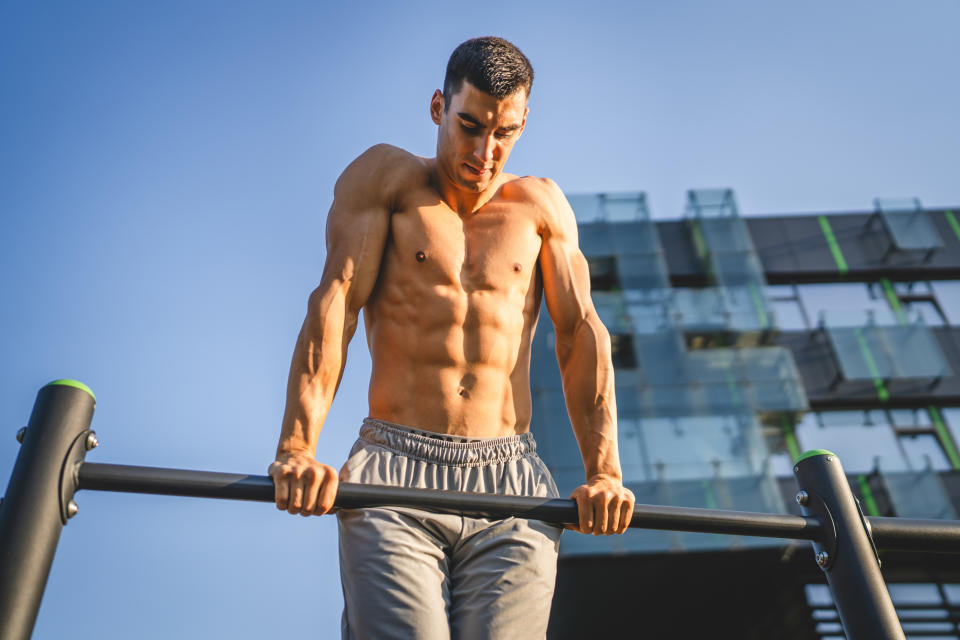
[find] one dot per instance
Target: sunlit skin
(450, 257)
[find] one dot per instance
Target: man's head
(481, 111)
(490, 64)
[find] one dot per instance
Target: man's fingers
(585, 511)
(281, 492)
(328, 491)
(613, 516)
(626, 514)
(295, 502)
(600, 515)
(311, 479)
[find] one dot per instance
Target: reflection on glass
(844, 433)
(845, 304)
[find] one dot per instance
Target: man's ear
(523, 124)
(436, 106)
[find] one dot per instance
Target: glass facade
(907, 224)
(689, 421)
(710, 410)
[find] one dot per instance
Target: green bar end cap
(72, 383)
(812, 453)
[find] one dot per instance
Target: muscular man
(449, 258)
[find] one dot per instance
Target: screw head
(22, 431)
(72, 508)
(822, 558)
(796, 469)
(829, 458)
(803, 498)
(92, 442)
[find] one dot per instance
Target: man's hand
(303, 485)
(605, 506)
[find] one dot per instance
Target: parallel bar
(35, 506)
(847, 558)
(908, 534)
(207, 484)
(888, 533)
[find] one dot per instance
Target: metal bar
(908, 534)
(888, 533)
(845, 553)
(38, 501)
(208, 484)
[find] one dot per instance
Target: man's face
(476, 134)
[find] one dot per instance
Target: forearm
(315, 371)
(588, 385)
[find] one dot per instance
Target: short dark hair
(491, 64)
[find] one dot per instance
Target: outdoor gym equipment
(50, 468)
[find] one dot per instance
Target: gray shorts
(408, 573)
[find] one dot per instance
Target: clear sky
(165, 172)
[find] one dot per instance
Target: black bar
(908, 534)
(34, 508)
(208, 484)
(888, 533)
(845, 551)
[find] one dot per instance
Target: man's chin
(476, 184)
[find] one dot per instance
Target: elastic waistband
(441, 448)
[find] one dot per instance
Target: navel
(421, 256)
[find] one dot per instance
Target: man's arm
(357, 228)
(583, 352)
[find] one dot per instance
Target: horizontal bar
(909, 534)
(888, 533)
(209, 484)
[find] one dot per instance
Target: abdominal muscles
(450, 360)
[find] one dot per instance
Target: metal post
(845, 552)
(39, 499)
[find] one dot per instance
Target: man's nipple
(517, 268)
(421, 256)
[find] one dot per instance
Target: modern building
(738, 343)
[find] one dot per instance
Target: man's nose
(484, 148)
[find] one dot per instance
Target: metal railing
(50, 468)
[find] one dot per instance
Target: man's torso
(450, 320)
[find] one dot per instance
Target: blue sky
(165, 172)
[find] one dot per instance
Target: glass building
(738, 343)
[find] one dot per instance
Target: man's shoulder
(533, 189)
(385, 170)
(544, 197)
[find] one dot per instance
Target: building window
(621, 346)
(603, 274)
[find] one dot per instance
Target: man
(449, 258)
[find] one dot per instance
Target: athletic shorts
(408, 573)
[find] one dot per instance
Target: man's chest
(496, 248)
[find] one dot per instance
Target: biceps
(566, 286)
(356, 239)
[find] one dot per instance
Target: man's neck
(461, 201)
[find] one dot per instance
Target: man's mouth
(475, 171)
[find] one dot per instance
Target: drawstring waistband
(444, 448)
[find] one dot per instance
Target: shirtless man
(449, 257)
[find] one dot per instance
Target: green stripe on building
(893, 300)
(709, 494)
(832, 243)
(867, 494)
(882, 392)
(946, 440)
(953, 222)
(789, 436)
(758, 305)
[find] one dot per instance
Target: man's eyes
(475, 130)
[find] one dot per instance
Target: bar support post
(39, 499)
(845, 552)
